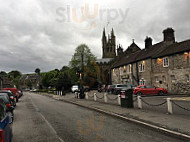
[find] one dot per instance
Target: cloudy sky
(45, 33)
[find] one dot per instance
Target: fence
(104, 97)
(140, 101)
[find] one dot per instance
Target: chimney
(169, 35)
(148, 42)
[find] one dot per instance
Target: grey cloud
(31, 37)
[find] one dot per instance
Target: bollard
(95, 97)
(86, 95)
(76, 96)
(105, 98)
(169, 103)
(61, 93)
(119, 99)
(139, 102)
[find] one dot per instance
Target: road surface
(43, 119)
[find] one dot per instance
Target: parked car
(125, 88)
(20, 93)
(110, 88)
(5, 124)
(7, 101)
(11, 96)
(122, 87)
(74, 88)
(86, 88)
(14, 91)
(149, 90)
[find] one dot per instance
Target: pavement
(174, 125)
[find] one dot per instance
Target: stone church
(111, 53)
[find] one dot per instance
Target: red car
(14, 91)
(149, 90)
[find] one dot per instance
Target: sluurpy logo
(89, 18)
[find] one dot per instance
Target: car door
(143, 90)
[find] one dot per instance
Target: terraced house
(165, 64)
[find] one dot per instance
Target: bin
(127, 98)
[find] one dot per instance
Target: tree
(48, 78)
(84, 61)
(37, 70)
(81, 57)
(15, 76)
(3, 73)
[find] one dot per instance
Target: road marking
(47, 122)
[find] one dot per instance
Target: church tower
(108, 45)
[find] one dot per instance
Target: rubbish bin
(127, 98)
(81, 95)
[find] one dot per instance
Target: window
(141, 67)
(150, 87)
(130, 68)
(124, 69)
(142, 82)
(163, 78)
(165, 62)
(156, 79)
(172, 78)
(121, 70)
(187, 77)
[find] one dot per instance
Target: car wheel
(139, 94)
(160, 93)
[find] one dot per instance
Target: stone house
(165, 64)
(30, 81)
(5, 82)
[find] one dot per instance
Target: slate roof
(174, 49)
(160, 49)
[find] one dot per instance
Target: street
(42, 119)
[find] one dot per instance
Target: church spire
(104, 33)
(112, 32)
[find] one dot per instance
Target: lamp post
(80, 85)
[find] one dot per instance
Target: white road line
(50, 126)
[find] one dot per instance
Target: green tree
(15, 76)
(48, 78)
(3, 74)
(37, 70)
(84, 61)
(81, 57)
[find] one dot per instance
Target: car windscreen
(4, 93)
(4, 98)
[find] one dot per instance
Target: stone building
(5, 82)
(111, 55)
(108, 55)
(165, 64)
(30, 81)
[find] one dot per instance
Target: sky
(45, 33)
